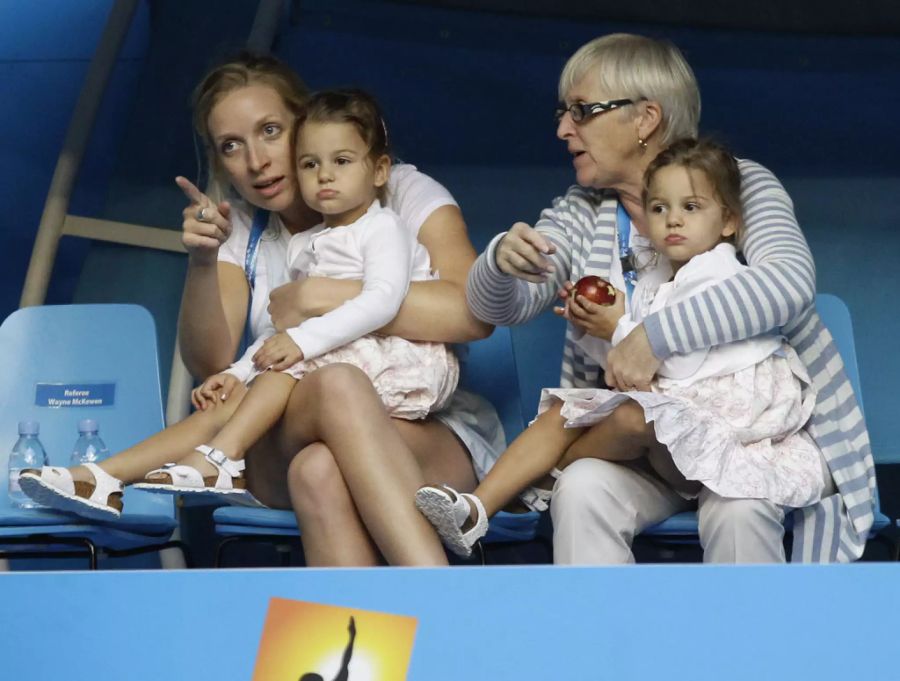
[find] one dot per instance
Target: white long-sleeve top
(377, 249)
(697, 275)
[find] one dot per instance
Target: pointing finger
(191, 192)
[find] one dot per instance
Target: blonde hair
(636, 67)
(245, 69)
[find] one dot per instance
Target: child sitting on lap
(728, 417)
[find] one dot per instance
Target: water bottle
(28, 452)
(89, 448)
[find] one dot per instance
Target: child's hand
(278, 353)
(596, 320)
(217, 388)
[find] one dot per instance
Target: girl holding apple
(623, 99)
(727, 418)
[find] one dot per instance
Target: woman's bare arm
(212, 317)
(437, 310)
(214, 301)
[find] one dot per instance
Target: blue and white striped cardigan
(776, 291)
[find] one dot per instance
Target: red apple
(596, 290)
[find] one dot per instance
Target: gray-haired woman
(625, 98)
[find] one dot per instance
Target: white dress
(731, 416)
(414, 197)
(411, 378)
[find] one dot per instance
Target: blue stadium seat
(110, 351)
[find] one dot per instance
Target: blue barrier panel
(739, 623)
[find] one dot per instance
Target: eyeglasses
(581, 112)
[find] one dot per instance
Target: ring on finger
(201, 214)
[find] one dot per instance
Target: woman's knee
(740, 530)
(320, 400)
(314, 479)
(739, 516)
(344, 380)
(585, 481)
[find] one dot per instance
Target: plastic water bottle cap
(29, 427)
(87, 426)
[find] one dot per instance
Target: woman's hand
(217, 388)
(596, 320)
(631, 364)
(202, 238)
(277, 353)
(522, 253)
(286, 305)
(293, 303)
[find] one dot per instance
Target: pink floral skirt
(740, 435)
(412, 379)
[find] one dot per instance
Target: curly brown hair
(714, 161)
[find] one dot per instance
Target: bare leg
(338, 406)
(261, 408)
(334, 534)
(170, 444)
(624, 436)
(530, 457)
(332, 531)
(621, 436)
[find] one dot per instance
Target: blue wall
(469, 97)
(45, 49)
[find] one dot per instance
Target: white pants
(598, 507)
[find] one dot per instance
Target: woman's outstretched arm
(214, 301)
(212, 317)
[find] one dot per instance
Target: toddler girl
(729, 417)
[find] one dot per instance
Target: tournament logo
(304, 641)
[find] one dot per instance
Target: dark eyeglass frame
(582, 112)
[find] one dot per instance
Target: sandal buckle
(216, 456)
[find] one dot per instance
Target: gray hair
(637, 67)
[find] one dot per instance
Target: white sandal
(448, 511)
(538, 498)
(228, 483)
(54, 487)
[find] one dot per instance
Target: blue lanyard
(260, 222)
(623, 225)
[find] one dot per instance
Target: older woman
(625, 98)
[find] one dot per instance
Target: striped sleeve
(505, 300)
(778, 285)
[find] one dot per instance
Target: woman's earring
(642, 143)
